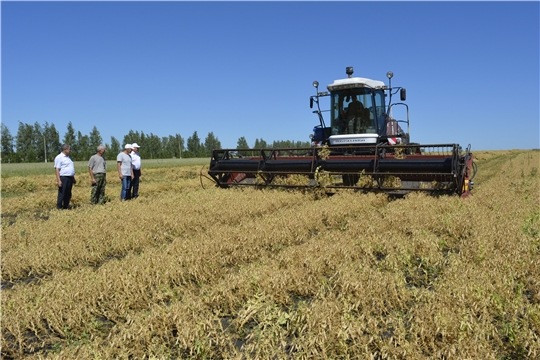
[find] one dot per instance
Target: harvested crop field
(190, 273)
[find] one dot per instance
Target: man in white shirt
(136, 164)
(125, 171)
(65, 177)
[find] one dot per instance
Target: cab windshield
(357, 111)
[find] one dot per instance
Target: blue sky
(471, 69)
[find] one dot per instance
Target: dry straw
(184, 272)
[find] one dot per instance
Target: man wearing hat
(136, 164)
(125, 171)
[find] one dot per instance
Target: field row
(192, 273)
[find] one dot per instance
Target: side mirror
(403, 94)
(311, 103)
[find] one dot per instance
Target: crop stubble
(189, 273)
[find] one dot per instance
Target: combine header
(364, 148)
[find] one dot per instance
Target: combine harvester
(364, 148)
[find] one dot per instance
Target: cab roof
(356, 82)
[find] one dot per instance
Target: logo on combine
(349, 141)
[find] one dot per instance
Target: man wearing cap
(125, 171)
(136, 164)
(65, 177)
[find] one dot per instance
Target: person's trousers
(126, 188)
(64, 192)
(135, 183)
(98, 189)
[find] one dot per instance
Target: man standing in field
(125, 171)
(65, 177)
(136, 163)
(97, 167)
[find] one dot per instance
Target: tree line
(41, 143)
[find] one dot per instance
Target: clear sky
(471, 69)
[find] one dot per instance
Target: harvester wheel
(202, 174)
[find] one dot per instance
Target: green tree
(112, 150)
(281, 144)
(167, 150)
(152, 147)
(260, 144)
(25, 143)
(290, 144)
(211, 143)
(8, 153)
(173, 146)
(95, 139)
(179, 145)
(194, 145)
(143, 139)
(52, 141)
(39, 142)
(33, 142)
(133, 137)
(242, 143)
(69, 136)
(84, 151)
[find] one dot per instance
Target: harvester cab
(363, 148)
(359, 114)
